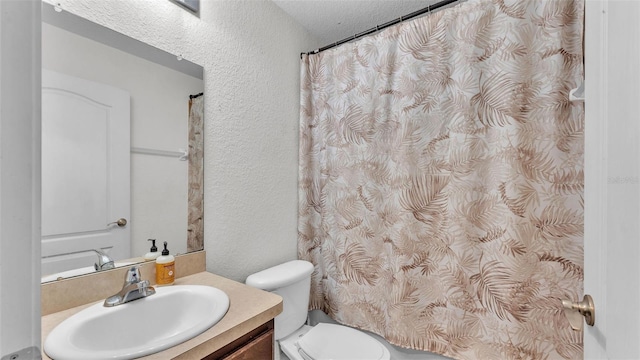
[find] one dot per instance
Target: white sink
(141, 327)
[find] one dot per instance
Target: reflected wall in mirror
(117, 120)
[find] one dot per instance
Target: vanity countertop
(248, 309)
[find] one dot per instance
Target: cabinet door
(258, 348)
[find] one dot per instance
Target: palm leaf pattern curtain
(195, 229)
(441, 180)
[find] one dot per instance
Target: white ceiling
(333, 20)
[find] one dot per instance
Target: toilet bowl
(292, 281)
(329, 341)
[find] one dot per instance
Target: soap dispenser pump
(153, 252)
(165, 268)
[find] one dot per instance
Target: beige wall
(250, 52)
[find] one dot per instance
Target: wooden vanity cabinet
(257, 344)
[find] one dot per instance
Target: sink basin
(172, 315)
(77, 272)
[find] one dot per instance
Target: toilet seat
(337, 342)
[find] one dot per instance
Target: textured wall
(250, 53)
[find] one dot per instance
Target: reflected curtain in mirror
(195, 229)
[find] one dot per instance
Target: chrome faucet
(104, 261)
(133, 289)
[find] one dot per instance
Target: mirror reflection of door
(85, 171)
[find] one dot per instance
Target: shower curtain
(195, 228)
(441, 180)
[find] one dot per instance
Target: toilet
(292, 281)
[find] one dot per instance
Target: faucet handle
(132, 276)
(145, 288)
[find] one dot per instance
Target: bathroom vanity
(245, 332)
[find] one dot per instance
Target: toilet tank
(292, 281)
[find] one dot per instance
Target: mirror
(122, 147)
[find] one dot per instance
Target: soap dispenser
(165, 268)
(153, 252)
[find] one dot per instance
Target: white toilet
(292, 281)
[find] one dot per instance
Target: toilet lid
(337, 342)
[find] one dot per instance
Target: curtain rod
(385, 25)
(195, 96)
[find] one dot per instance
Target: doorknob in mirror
(122, 222)
(576, 310)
